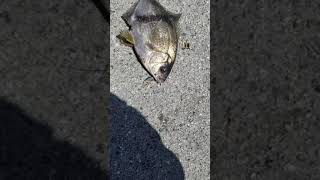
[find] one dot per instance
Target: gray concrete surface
(53, 116)
(178, 110)
(266, 93)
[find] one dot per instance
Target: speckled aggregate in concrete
(178, 110)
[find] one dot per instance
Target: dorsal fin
(175, 17)
(126, 16)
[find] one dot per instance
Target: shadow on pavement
(136, 148)
(29, 151)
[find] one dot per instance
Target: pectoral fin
(126, 38)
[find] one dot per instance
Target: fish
(153, 34)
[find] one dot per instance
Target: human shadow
(29, 151)
(136, 148)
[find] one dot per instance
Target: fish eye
(163, 69)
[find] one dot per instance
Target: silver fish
(153, 34)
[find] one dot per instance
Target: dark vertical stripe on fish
(151, 18)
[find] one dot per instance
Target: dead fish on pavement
(153, 35)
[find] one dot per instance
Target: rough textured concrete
(266, 90)
(178, 110)
(43, 47)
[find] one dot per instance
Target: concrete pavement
(178, 110)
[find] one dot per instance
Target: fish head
(159, 66)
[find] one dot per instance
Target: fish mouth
(163, 73)
(160, 79)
